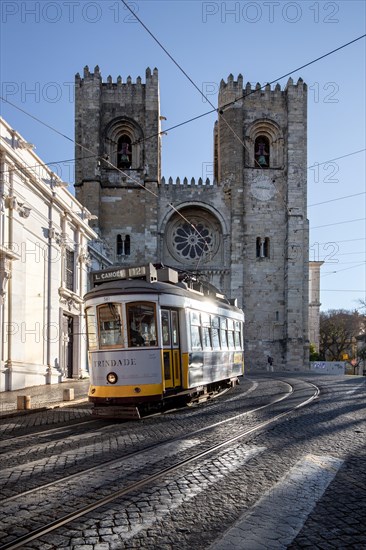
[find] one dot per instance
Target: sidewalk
(44, 397)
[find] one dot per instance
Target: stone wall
(250, 223)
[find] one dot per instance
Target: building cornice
(22, 158)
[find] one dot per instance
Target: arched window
(258, 246)
(124, 152)
(261, 152)
(262, 247)
(119, 245)
(124, 144)
(127, 245)
(266, 247)
(123, 247)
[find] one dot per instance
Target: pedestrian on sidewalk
(270, 363)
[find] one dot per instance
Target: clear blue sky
(44, 43)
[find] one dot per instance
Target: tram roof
(140, 286)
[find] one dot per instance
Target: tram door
(171, 352)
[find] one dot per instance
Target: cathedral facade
(246, 231)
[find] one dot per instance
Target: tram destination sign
(147, 272)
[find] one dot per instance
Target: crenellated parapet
(151, 79)
(188, 182)
(231, 83)
(232, 91)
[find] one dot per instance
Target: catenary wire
(328, 273)
(324, 274)
(208, 112)
(224, 106)
(216, 109)
(95, 156)
(337, 199)
(179, 213)
(337, 223)
(220, 109)
(337, 158)
(119, 170)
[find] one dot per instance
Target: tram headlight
(112, 377)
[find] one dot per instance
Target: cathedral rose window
(192, 242)
(193, 236)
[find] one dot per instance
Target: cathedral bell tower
(117, 134)
(260, 160)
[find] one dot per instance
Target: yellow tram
(153, 337)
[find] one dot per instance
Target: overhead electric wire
(338, 199)
(224, 106)
(343, 241)
(53, 162)
(108, 162)
(327, 273)
(337, 223)
(337, 158)
(341, 290)
(220, 109)
(209, 112)
(74, 159)
(113, 166)
(140, 185)
(351, 253)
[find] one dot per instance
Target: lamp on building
(24, 211)
(13, 204)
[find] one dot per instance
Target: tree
(338, 331)
(313, 353)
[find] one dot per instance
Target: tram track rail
(46, 431)
(113, 461)
(163, 472)
(21, 447)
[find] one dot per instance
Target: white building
(44, 234)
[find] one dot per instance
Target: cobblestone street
(299, 483)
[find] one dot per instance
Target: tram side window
(215, 332)
(91, 328)
(165, 327)
(110, 325)
(223, 333)
(230, 333)
(175, 328)
(206, 331)
(195, 331)
(237, 325)
(141, 322)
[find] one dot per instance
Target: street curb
(62, 405)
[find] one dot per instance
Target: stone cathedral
(246, 231)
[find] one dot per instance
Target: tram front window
(109, 318)
(141, 322)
